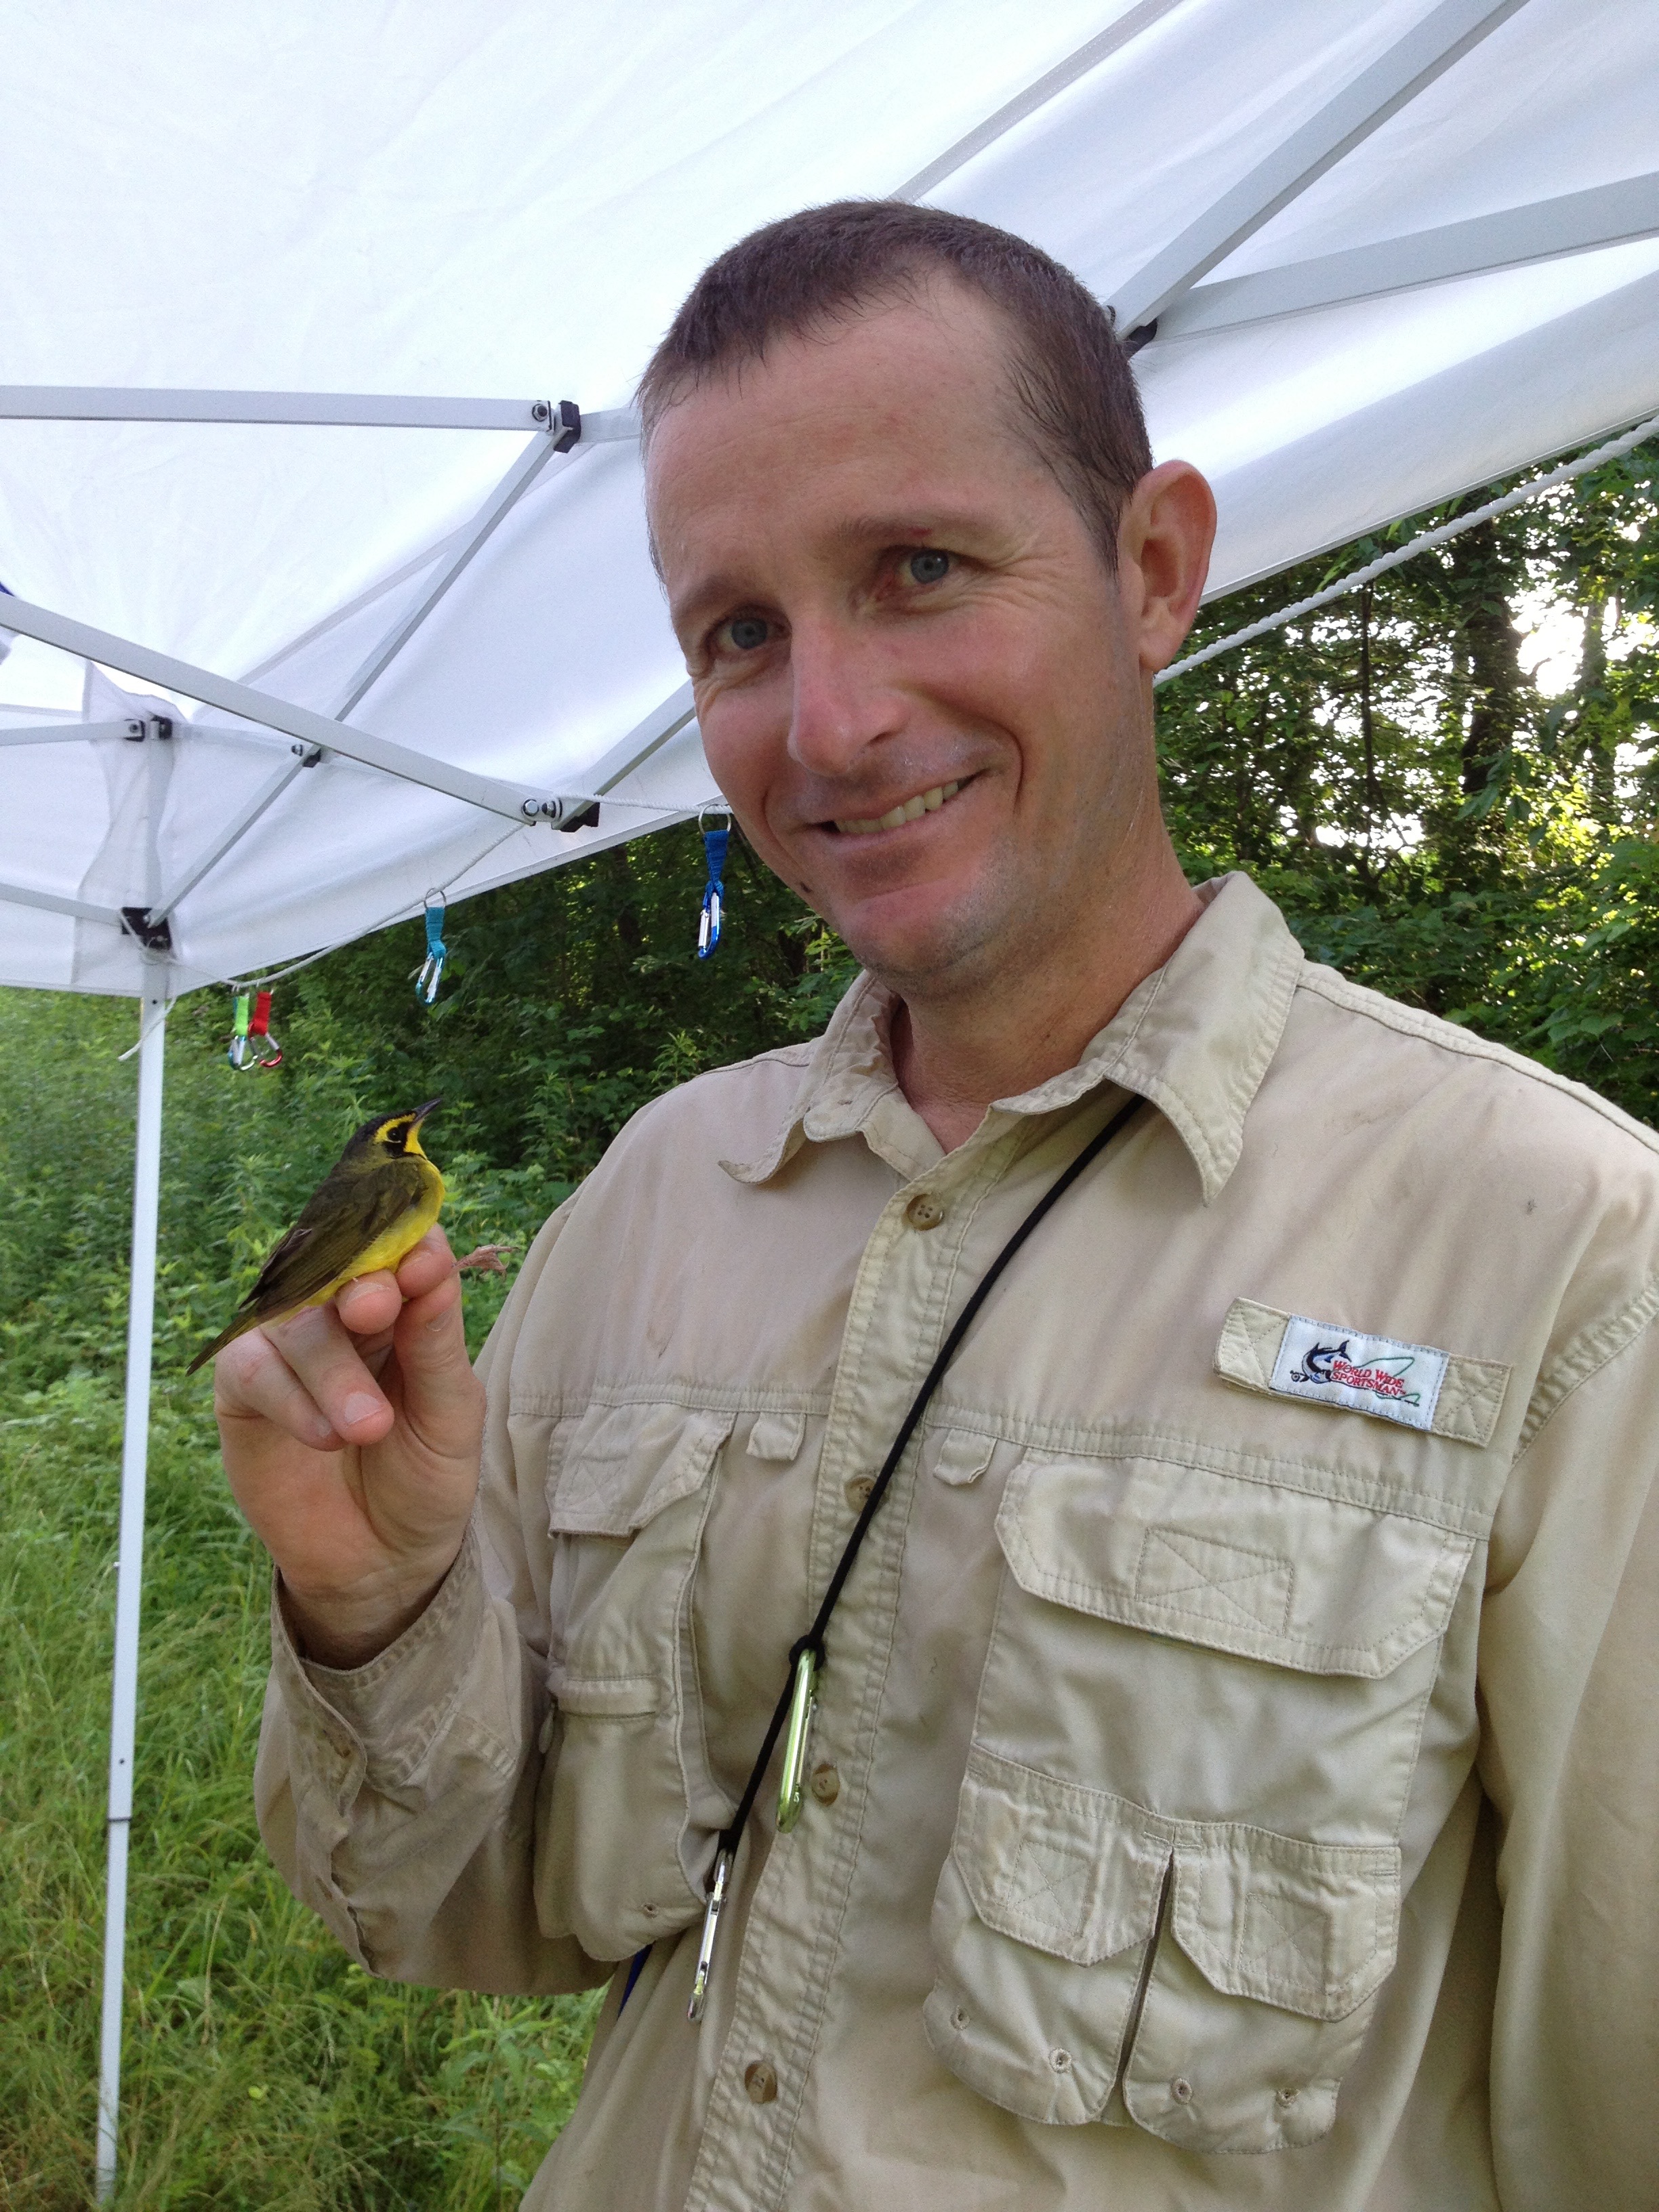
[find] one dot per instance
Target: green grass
(262, 2068)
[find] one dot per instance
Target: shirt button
(1286, 2096)
(1181, 2090)
(923, 1211)
(858, 1491)
(760, 2081)
(825, 1786)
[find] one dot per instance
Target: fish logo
(1384, 1378)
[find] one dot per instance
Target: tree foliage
(1436, 820)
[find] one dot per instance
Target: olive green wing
(342, 1218)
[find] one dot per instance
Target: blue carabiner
(714, 842)
(430, 971)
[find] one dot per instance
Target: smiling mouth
(910, 810)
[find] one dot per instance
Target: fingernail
(360, 1406)
(432, 1326)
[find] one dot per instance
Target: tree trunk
(1481, 579)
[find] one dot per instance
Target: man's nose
(842, 700)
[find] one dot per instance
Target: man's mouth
(908, 809)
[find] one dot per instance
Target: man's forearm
(397, 1796)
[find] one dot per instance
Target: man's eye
(927, 566)
(747, 632)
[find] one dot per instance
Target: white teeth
(927, 802)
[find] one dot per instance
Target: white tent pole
(495, 511)
(65, 732)
(273, 714)
(141, 1329)
(1128, 25)
(50, 902)
(260, 804)
(1449, 30)
(1545, 230)
(79, 403)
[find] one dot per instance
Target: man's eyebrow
(727, 587)
(906, 528)
(719, 588)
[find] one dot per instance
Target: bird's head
(390, 1136)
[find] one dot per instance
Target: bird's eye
(927, 566)
(747, 633)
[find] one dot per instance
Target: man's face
(917, 683)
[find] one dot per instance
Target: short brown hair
(1069, 372)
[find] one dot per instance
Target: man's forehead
(884, 429)
(892, 362)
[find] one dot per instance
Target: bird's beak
(421, 1112)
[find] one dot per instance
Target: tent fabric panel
(401, 201)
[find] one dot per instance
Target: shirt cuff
(382, 1718)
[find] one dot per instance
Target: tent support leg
(141, 1325)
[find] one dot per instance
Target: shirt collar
(1195, 1039)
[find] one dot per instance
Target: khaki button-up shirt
(1238, 1730)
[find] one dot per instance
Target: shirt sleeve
(397, 1799)
(1569, 1682)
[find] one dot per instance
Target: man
(1236, 1733)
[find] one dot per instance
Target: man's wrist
(345, 1630)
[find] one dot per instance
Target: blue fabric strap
(714, 842)
(428, 974)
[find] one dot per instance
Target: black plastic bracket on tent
(563, 420)
(153, 936)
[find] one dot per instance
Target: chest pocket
(1174, 1888)
(627, 1509)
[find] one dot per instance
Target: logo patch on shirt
(1371, 1374)
(1288, 1355)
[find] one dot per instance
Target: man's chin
(937, 955)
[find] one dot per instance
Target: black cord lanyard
(807, 1656)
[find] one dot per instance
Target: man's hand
(351, 1437)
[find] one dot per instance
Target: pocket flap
(1272, 1573)
(1067, 1869)
(963, 1456)
(1078, 1872)
(1311, 1927)
(624, 1464)
(778, 1436)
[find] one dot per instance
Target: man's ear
(1164, 540)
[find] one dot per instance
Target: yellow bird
(373, 1206)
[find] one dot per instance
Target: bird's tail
(238, 1327)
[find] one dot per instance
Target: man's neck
(953, 1056)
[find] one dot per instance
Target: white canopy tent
(286, 659)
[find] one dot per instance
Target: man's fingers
(427, 1265)
(371, 1304)
(441, 1394)
(253, 1382)
(328, 1364)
